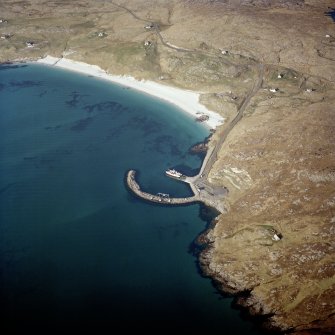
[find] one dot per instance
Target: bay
(78, 251)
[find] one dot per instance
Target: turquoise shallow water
(78, 251)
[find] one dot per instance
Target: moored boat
(173, 173)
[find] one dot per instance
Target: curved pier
(159, 198)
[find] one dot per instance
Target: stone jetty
(160, 198)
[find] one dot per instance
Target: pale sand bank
(184, 99)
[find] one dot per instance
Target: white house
(276, 237)
(30, 44)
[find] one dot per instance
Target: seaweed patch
(82, 124)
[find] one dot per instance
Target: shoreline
(187, 101)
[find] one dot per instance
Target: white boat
(173, 173)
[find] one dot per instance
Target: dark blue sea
(79, 252)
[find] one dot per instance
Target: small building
(101, 34)
(147, 43)
(224, 52)
(273, 90)
(30, 44)
(280, 75)
(309, 90)
(5, 36)
(328, 36)
(149, 26)
(276, 237)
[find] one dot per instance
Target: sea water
(78, 250)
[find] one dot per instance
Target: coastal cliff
(268, 68)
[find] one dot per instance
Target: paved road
(210, 194)
(208, 162)
(211, 157)
(200, 185)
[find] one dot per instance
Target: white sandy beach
(184, 99)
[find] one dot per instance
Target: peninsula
(265, 67)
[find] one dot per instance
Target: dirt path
(155, 28)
